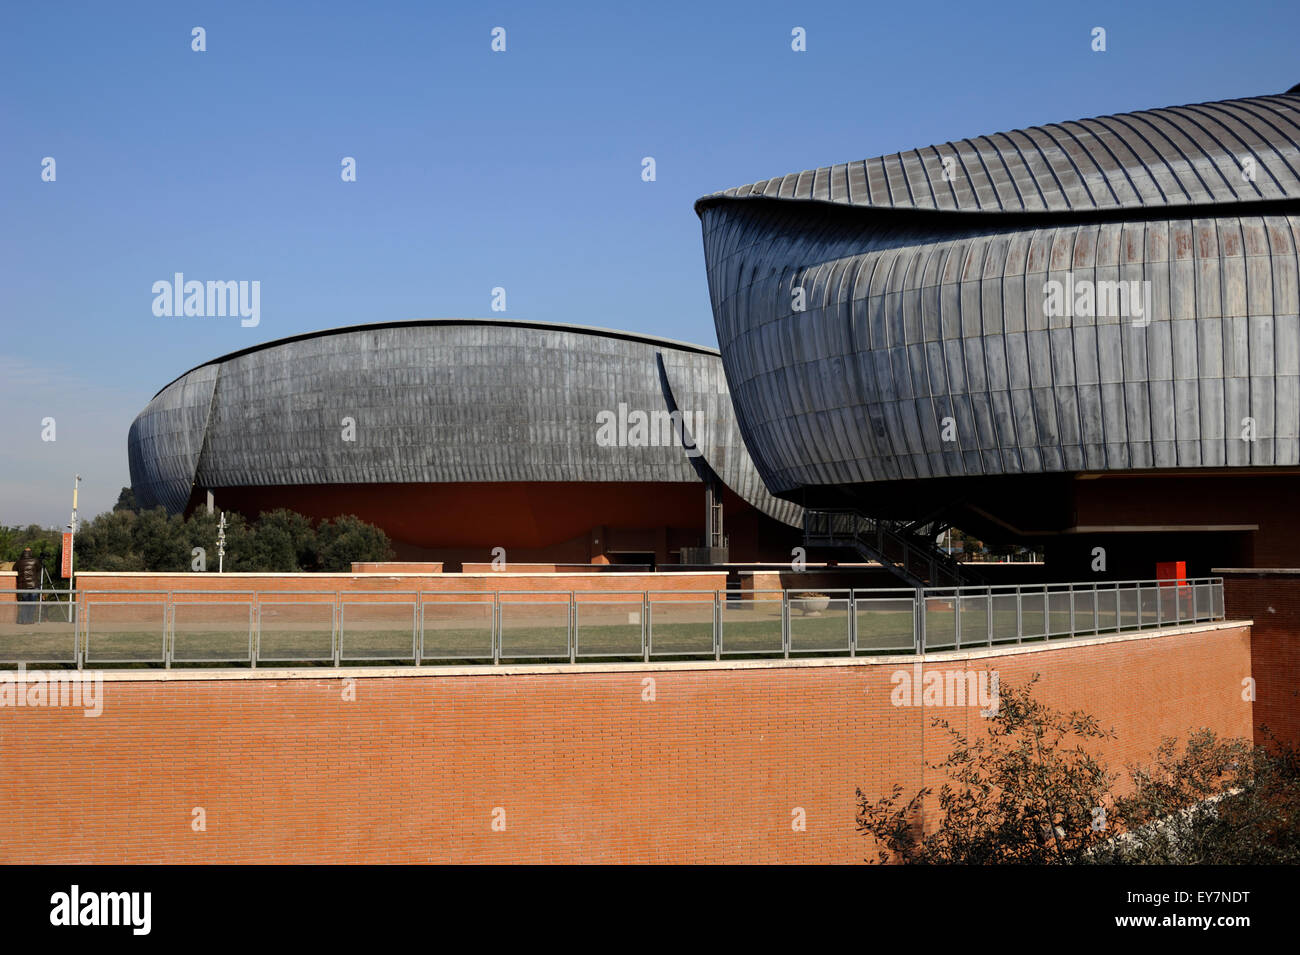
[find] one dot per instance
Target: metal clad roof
(951, 323)
(448, 401)
(1149, 158)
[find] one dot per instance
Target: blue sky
(475, 169)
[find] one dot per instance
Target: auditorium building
(555, 443)
(1082, 337)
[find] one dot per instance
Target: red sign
(1172, 570)
(66, 570)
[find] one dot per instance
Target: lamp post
(72, 551)
(221, 542)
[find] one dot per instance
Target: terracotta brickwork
(1272, 600)
(135, 585)
(706, 763)
(397, 567)
(8, 596)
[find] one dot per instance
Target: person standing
(28, 568)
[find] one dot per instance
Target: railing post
(254, 630)
(988, 591)
(853, 623)
(1020, 617)
(956, 618)
(417, 629)
(1096, 611)
(169, 630)
(645, 627)
(573, 629)
(717, 628)
(1073, 625)
(496, 627)
(1195, 616)
(918, 621)
(785, 624)
(338, 628)
(79, 621)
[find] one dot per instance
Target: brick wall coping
(313, 575)
(1014, 649)
(525, 669)
(1258, 571)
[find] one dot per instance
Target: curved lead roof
(1174, 156)
(436, 401)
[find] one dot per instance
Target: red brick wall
(8, 596)
(533, 567)
(397, 567)
(1272, 600)
(135, 585)
(412, 770)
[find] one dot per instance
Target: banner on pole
(66, 570)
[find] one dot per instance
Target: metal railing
(962, 617)
(333, 628)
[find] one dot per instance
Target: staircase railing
(916, 560)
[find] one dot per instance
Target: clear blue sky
(474, 169)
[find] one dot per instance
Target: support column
(713, 532)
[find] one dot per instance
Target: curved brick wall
(412, 770)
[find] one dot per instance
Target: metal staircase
(906, 549)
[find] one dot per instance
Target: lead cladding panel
(436, 402)
(906, 345)
(1183, 155)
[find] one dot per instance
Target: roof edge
(430, 322)
(721, 195)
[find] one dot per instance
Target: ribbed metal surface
(166, 438)
(697, 381)
(432, 402)
(1182, 155)
(912, 318)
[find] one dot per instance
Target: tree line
(129, 538)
